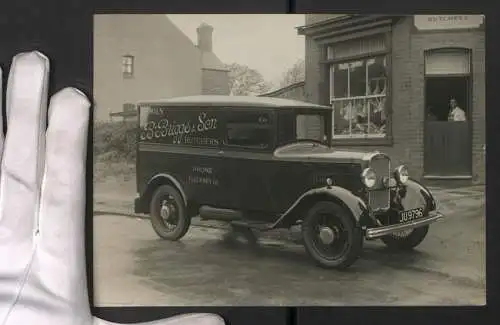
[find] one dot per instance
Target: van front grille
(379, 198)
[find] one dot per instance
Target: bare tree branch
(244, 81)
(295, 74)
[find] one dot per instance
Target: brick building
(145, 57)
(391, 81)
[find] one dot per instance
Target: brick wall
(215, 82)
(475, 41)
(313, 71)
(407, 145)
(407, 88)
(404, 142)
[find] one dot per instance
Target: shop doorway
(447, 124)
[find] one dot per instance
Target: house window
(128, 65)
(358, 88)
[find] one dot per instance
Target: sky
(266, 42)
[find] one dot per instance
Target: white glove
(42, 204)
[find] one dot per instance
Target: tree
(244, 81)
(295, 74)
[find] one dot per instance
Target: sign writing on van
(184, 132)
(203, 176)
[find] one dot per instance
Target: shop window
(249, 130)
(358, 93)
(447, 83)
(359, 87)
(128, 66)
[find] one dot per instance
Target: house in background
(390, 81)
(146, 57)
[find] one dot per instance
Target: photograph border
(63, 31)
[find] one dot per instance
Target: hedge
(115, 141)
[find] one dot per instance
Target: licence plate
(410, 215)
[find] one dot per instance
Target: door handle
(221, 152)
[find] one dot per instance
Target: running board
(210, 213)
(260, 226)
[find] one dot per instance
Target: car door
(287, 178)
(248, 147)
(290, 179)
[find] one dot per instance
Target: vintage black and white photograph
(276, 159)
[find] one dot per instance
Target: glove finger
(24, 147)
(186, 319)
(61, 249)
(1, 113)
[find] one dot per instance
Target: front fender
(356, 206)
(166, 179)
(141, 203)
(415, 195)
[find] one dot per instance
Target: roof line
(342, 23)
(291, 86)
(326, 21)
(221, 100)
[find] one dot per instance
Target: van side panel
(183, 143)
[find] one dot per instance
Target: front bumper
(377, 232)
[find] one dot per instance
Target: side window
(249, 129)
(286, 127)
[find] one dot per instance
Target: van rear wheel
(331, 236)
(168, 213)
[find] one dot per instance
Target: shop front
(412, 86)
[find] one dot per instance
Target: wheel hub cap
(165, 210)
(326, 235)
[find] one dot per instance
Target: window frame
(271, 126)
(327, 64)
(427, 76)
(364, 97)
(327, 116)
(128, 61)
(448, 49)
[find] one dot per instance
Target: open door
(448, 112)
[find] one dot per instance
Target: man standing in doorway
(456, 113)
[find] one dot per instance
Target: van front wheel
(168, 213)
(331, 236)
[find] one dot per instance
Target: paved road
(133, 267)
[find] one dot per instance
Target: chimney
(205, 37)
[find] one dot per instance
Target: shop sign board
(440, 22)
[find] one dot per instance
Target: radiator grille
(380, 198)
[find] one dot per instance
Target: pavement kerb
(194, 223)
(142, 216)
